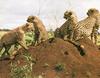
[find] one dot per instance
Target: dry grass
(2, 33)
(98, 41)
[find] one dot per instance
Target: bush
(59, 67)
(25, 71)
(29, 38)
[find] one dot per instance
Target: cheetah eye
(91, 11)
(27, 24)
(32, 18)
(64, 14)
(70, 13)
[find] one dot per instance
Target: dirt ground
(57, 58)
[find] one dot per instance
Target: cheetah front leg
(22, 44)
(1, 47)
(92, 36)
(95, 38)
(6, 50)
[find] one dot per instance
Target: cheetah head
(30, 19)
(92, 11)
(69, 15)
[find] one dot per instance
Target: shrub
(22, 71)
(59, 67)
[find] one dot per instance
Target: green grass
(59, 67)
(22, 71)
(29, 38)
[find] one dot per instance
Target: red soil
(49, 54)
